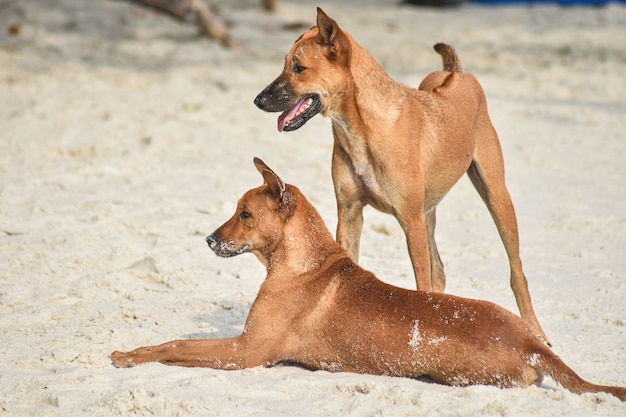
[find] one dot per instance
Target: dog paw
(122, 359)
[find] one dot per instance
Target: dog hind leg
(487, 175)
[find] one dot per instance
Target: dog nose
(261, 100)
(211, 240)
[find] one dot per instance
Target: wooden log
(196, 11)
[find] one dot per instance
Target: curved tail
(552, 365)
(450, 59)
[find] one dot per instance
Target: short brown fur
(319, 309)
(396, 148)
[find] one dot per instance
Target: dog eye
(244, 215)
(297, 69)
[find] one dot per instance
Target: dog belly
(438, 181)
(442, 365)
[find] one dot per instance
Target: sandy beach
(126, 138)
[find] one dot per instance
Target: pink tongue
(289, 115)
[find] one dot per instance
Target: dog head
(257, 224)
(314, 77)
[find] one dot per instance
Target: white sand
(125, 139)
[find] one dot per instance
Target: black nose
(261, 100)
(211, 240)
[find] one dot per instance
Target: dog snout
(225, 249)
(275, 97)
(211, 240)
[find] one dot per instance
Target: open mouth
(298, 115)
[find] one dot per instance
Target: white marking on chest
(366, 174)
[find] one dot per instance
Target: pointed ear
(332, 37)
(327, 28)
(276, 185)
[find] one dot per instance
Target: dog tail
(450, 59)
(552, 365)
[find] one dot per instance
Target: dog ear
(273, 181)
(327, 28)
(331, 36)
(286, 199)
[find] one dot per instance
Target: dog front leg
(217, 354)
(349, 226)
(437, 274)
(413, 223)
(349, 203)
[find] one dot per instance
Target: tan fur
(399, 149)
(319, 309)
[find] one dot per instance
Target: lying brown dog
(397, 148)
(319, 309)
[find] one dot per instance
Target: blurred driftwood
(199, 12)
(195, 11)
(269, 5)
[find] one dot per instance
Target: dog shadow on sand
(225, 319)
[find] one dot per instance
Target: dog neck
(304, 245)
(372, 102)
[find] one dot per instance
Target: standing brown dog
(397, 148)
(321, 310)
